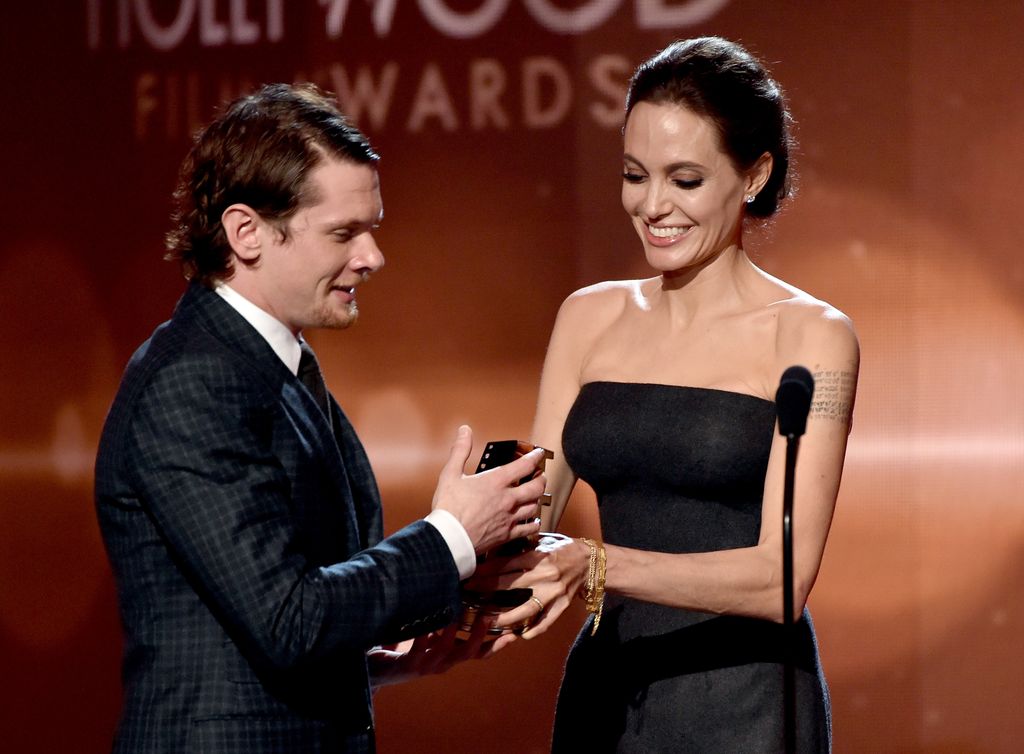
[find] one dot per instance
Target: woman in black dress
(659, 393)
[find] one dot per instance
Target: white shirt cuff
(457, 539)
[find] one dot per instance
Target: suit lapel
(218, 318)
(360, 475)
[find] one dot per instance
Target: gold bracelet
(598, 596)
(587, 587)
(593, 587)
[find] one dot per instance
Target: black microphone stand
(793, 402)
(788, 633)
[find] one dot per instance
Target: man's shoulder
(203, 334)
(182, 372)
(188, 357)
(177, 345)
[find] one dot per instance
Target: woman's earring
(750, 199)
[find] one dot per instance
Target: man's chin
(332, 319)
(341, 320)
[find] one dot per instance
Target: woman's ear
(759, 174)
(241, 225)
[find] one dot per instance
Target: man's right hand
(489, 506)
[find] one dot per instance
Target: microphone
(792, 403)
(793, 400)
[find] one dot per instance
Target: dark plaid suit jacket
(246, 544)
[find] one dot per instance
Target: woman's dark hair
(259, 152)
(721, 81)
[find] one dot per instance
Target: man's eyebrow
(341, 223)
(332, 226)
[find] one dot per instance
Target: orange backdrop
(498, 122)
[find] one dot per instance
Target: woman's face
(679, 187)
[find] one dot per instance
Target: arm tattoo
(833, 394)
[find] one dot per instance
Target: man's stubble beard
(331, 320)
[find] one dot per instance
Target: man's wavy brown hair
(259, 152)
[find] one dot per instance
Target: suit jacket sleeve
(217, 461)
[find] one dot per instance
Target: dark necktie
(309, 375)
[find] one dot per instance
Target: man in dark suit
(238, 508)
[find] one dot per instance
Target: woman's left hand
(555, 571)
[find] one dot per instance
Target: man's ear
(241, 225)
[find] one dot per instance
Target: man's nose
(369, 257)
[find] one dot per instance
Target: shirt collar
(277, 335)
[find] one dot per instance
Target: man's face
(309, 279)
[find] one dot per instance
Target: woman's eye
(630, 177)
(689, 183)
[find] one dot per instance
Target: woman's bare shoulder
(590, 313)
(608, 290)
(605, 301)
(813, 329)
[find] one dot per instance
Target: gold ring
(539, 604)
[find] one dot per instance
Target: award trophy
(475, 603)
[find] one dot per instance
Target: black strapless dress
(680, 469)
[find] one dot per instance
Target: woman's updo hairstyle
(719, 80)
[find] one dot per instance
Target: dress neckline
(681, 387)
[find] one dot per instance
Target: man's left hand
(433, 653)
